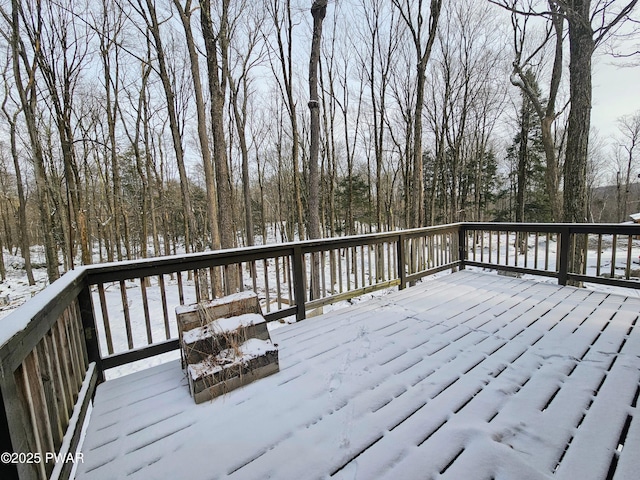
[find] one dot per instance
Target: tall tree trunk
(203, 138)
(217, 91)
(28, 102)
(423, 52)
(190, 222)
(25, 240)
(581, 47)
(318, 12)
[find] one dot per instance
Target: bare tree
(629, 126)
(414, 19)
(23, 65)
(185, 11)
(283, 24)
(25, 240)
(148, 13)
(545, 111)
(217, 43)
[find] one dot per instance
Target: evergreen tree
(526, 158)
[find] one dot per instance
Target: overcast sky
(616, 92)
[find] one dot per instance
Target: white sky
(616, 92)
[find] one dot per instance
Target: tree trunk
(212, 213)
(423, 52)
(28, 102)
(217, 89)
(581, 46)
(25, 241)
(318, 12)
(190, 222)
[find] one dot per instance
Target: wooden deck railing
(55, 348)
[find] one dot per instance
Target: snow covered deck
(466, 376)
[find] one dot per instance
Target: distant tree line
(135, 128)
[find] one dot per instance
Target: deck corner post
(7, 469)
(16, 435)
(564, 235)
(402, 272)
(462, 250)
(90, 332)
(298, 283)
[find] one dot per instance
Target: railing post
(90, 333)
(15, 432)
(7, 469)
(462, 247)
(564, 236)
(402, 272)
(298, 283)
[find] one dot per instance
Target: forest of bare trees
(135, 128)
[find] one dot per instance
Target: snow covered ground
(15, 289)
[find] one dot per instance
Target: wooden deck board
(464, 376)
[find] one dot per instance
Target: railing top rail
(106, 272)
(56, 297)
(26, 325)
(597, 228)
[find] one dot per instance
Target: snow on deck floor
(468, 376)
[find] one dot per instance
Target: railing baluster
(27, 373)
(63, 350)
(73, 349)
(196, 284)
(348, 268)
(362, 277)
(289, 268)
(49, 390)
(322, 275)
(332, 270)
(490, 246)
(125, 310)
(629, 247)
(145, 308)
(546, 252)
(266, 284)
(599, 255)
(298, 282)
(180, 288)
(254, 275)
(614, 248)
(278, 290)
(64, 405)
(165, 310)
(371, 268)
(105, 318)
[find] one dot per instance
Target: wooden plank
(48, 376)
(62, 470)
(434, 379)
(140, 353)
(72, 358)
(63, 406)
(15, 428)
(32, 395)
(63, 356)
